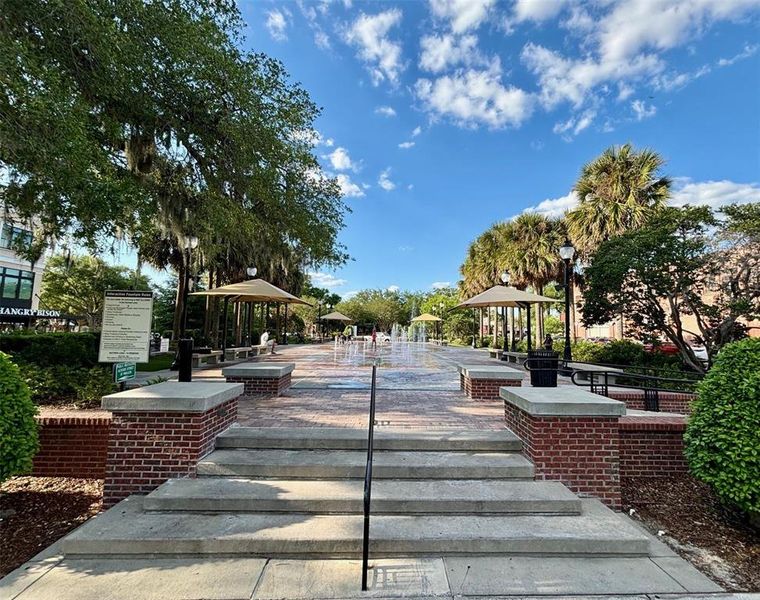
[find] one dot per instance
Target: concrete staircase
(298, 492)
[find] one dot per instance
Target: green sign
(124, 371)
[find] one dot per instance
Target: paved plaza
(417, 386)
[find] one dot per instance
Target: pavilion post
(285, 328)
(530, 333)
(224, 328)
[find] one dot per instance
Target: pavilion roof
(502, 295)
(253, 290)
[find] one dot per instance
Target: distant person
(348, 332)
(374, 338)
(548, 342)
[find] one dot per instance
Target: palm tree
(532, 257)
(618, 191)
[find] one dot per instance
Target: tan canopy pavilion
(504, 295)
(335, 316)
(428, 318)
(425, 318)
(252, 290)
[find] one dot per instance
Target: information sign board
(125, 336)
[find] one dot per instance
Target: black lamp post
(184, 358)
(567, 253)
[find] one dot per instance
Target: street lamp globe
(505, 277)
(251, 271)
(567, 251)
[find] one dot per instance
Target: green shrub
(49, 349)
(92, 386)
(723, 435)
(621, 352)
(18, 429)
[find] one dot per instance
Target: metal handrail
(651, 385)
(368, 478)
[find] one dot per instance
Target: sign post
(125, 337)
(123, 372)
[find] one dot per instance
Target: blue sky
(443, 117)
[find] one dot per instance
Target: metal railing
(368, 478)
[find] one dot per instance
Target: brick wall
(487, 389)
(147, 448)
(674, 402)
(652, 446)
(581, 452)
(262, 386)
(72, 446)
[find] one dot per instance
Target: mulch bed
(720, 542)
(36, 511)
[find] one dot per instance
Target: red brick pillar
(161, 431)
(570, 435)
(260, 379)
(482, 382)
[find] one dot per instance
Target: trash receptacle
(543, 365)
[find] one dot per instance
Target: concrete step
(128, 530)
(346, 464)
(389, 496)
(327, 438)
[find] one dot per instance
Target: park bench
(206, 358)
(514, 357)
(482, 382)
(261, 349)
(260, 378)
(239, 352)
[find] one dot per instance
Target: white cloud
(440, 285)
(625, 47)
(410, 186)
(348, 188)
(384, 180)
(340, 160)
(369, 33)
(554, 208)
(642, 111)
(277, 23)
(475, 97)
(416, 131)
(537, 10)
(462, 15)
(715, 193)
(406, 145)
(349, 295)
(325, 280)
(439, 52)
(393, 288)
(574, 125)
(329, 142)
(748, 51)
(386, 111)
(405, 248)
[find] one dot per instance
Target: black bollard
(185, 359)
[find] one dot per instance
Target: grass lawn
(157, 362)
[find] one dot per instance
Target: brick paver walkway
(418, 387)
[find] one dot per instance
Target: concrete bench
(235, 353)
(482, 382)
(208, 358)
(261, 349)
(514, 357)
(260, 379)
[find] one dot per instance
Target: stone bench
(570, 435)
(514, 357)
(261, 349)
(206, 358)
(482, 382)
(235, 353)
(161, 431)
(260, 379)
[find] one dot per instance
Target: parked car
(663, 347)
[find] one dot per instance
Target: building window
(16, 284)
(11, 236)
